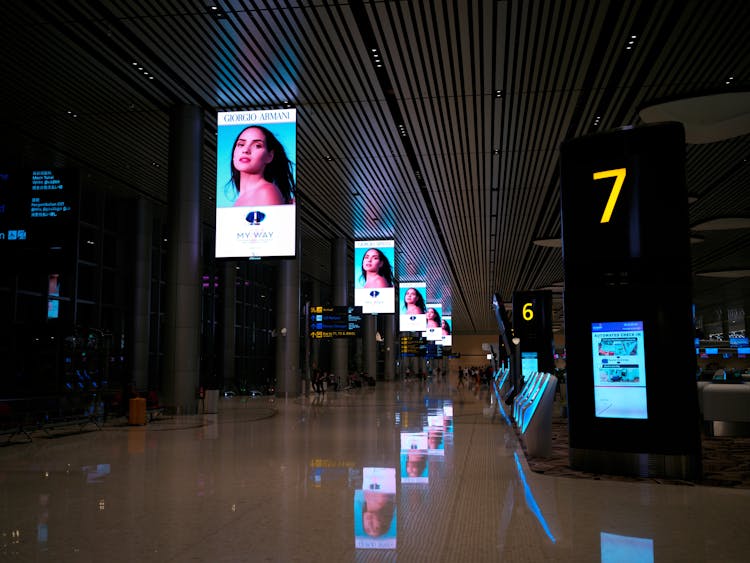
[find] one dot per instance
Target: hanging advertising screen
(256, 155)
(434, 322)
(447, 330)
(374, 289)
(619, 370)
(412, 306)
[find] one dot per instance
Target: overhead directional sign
(335, 322)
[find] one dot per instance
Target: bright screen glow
(434, 318)
(412, 306)
(375, 509)
(37, 207)
(256, 183)
(529, 363)
(616, 548)
(447, 330)
(415, 466)
(619, 369)
(374, 262)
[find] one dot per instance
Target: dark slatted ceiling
(450, 147)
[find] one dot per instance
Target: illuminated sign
(335, 322)
(412, 306)
(619, 370)
(374, 270)
(256, 183)
(37, 207)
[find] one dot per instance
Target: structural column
(369, 329)
(288, 306)
(141, 292)
(340, 346)
(182, 340)
(228, 321)
(389, 328)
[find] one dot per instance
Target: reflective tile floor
(324, 478)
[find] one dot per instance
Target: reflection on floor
(726, 460)
(395, 472)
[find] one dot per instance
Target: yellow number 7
(619, 175)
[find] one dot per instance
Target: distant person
(376, 269)
(433, 318)
(261, 171)
(414, 302)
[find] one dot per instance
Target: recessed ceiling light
(548, 242)
(723, 224)
(725, 274)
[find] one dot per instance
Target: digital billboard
(619, 370)
(447, 330)
(434, 322)
(256, 183)
(374, 262)
(412, 306)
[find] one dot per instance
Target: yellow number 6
(619, 175)
(528, 311)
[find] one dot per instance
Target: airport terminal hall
(433, 281)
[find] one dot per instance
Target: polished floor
(320, 479)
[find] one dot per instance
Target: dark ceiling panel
(446, 137)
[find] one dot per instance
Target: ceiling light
(725, 274)
(548, 242)
(706, 119)
(723, 224)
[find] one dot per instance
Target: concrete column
(141, 292)
(227, 363)
(369, 328)
(288, 311)
(389, 328)
(340, 346)
(182, 339)
(315, 343)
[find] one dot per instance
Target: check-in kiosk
(536, 420)
(532, 413)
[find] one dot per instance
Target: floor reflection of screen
(619, 369)
(375, 522)
(626, 549)
(414, 458)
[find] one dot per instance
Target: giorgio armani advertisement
(412, 306)
(256, 156)
(374, 275)
(434, 318)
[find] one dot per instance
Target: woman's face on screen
(251, 154)
(371, 261)
(410, 296)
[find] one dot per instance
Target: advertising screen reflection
(375, 523)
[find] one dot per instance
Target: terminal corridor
(268, 479)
